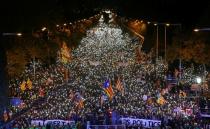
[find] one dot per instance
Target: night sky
(28, 14)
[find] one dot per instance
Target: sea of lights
(106, 52)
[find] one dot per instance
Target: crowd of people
(75, 91)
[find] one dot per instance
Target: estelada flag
(107, 87)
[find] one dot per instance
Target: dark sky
(19, 14)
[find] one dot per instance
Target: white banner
(94, 63)
(52, 122)
(123, 64)
(205, 115)
(140, 122)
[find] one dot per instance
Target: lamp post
(165, 41)
(157, 42)
(12, 34)
(157, 24)
(19, 35)
(198, 81)
(4, 100)
(165, 37)
(204, 66)
(201, 29)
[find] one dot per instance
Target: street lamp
(157, 44)
(4, 100)
(201, 29)
(12, 34)
(44, 28)
(19, 34)
(196, 30)
(157, 24)
(204, 66)
(166, 25)
(198, 80)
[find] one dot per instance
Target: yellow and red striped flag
(29, 84)
(119, 86)
(161, 100)
(23, 86)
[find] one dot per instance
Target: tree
(16, 61)
(189, 49)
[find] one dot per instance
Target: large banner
(140, 122)
(52, 122)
